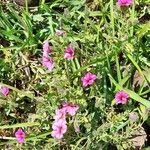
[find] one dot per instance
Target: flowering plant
(75, 75)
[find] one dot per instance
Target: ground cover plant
(75, 75)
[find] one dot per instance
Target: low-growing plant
(75, 75)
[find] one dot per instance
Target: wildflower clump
(60, 125)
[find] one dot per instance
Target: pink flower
(88, 79)
(123, 3)
(5, 91)
(69, 53)
(121, 97)
(70, 108)
(46, 60)
(59, 128)
(20, 136)
(48, 63)
(47, 49)
(60, 32)
(60, 114)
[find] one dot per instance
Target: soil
(31, 3)
(147, 130)
(4, 42)
(145, 18)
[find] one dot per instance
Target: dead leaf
(138, 138)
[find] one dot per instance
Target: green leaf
(19, 125)
(136, 65)
(144, 29)
(38, 17)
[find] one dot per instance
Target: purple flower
(121, 97)
(20, 136)
(47, 49)
(59, 125)
(46, 60)
(69, 53)
(123, 3)
(60, 114)
(59, 128)
(48, 63)
(60, 32)
(4, 91)
(70, 108)
(88, 79)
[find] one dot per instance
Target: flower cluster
(47, 61)
(59, 125)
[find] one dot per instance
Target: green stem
(7, 138)
(26, 6)
(20, 125)
(112, 16)
(118, 68)
(132, 18)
